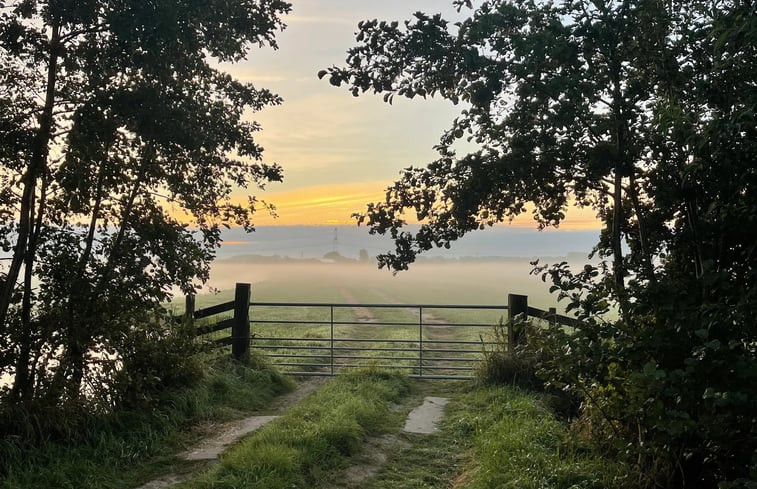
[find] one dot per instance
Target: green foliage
(674, 399)
(119, 450)
(312, 438)
(645, 112)
(518, 442)
(121, 142)
(154, 358)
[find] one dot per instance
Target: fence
(431, 348)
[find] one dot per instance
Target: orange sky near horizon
(333, 205)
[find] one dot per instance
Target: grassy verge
(313, 439)
(498, 438)
(124, 450)
(518, 443)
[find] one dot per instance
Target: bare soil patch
(375, 455)
(210, 449)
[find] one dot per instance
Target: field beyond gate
(438, 341)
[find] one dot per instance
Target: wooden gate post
(516, 305)
(240, 330)
(189, 308)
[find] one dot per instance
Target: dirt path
(208, 450)
(438, 333)
(282, 403)
(424, 413)
(439, 328)
(375, 454)
(362, 314)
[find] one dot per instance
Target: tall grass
(504, 367)
(123, 449)
(518, 443)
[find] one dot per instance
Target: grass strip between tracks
(312, 439)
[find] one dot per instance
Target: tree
(644, 111)
(121, 142)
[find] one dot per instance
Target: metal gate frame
(310, 356)
(242, 341)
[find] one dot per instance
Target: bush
(117, 449)
(669, 387)
(154, 359)
(504, 367)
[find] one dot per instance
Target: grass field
(469, 283)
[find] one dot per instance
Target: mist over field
(315, 241)
(288, 264)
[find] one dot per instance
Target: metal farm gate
(341, 336)
(434, 341)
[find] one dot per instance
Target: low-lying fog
(427, 282)
(460, 275)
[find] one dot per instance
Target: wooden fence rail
(239, 322)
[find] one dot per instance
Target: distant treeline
(336, 257)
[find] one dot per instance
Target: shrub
(669, 386)
(504, 367)
(154, 359)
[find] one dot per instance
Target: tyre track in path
(207, 451)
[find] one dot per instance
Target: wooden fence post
(189, 308)
(552, 313)
(240, 330)
(516, 305)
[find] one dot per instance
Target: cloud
(321, 204)
(314, 19)
(323, 137)
(330, 204)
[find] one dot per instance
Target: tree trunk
(78, 330)
(115, 250)
(21, 251)
(22, 382)
(78, 289)
(617, 218)
(80, 334)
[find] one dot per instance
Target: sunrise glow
(333, 205)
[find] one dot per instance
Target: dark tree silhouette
(645, 112)
(118, 133)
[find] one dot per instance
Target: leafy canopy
(645, 112)
(122, 139)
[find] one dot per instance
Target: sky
(339, 152)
